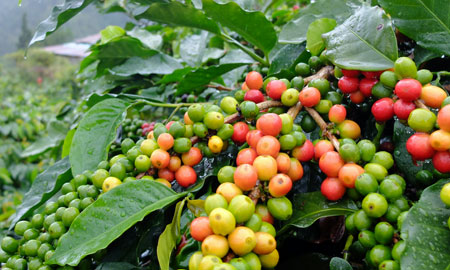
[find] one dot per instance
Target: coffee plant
(247, 135)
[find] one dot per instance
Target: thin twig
(324, 127)
(219, 87)
(323, 73)
(255, 193)
(294, 110)
(419, 104)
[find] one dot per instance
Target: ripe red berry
(337, 113)
(254, 80)
(309, 97)
(332, 189)
(403, 108)
(304, 152)
(383, 109)
(275, 89)
(419, 146)
(357, 97)
(239, 132)
(254, 95)
(269, 124)
(348, 84)
(365, 86)
(253, 137)
(408, 89)
(350, 73)
(372, 74)
(441, 161)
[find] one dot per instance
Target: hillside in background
(89, 21)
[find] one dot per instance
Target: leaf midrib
(434, 15)
(321, 211)
(89, 244)
(368, 44)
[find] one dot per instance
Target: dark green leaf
(46, 184)
(109, 217)
(422, 55)
(286, 57)
(157, 64)
(202, 76)
(116, 266)
(425, 21)
(337, 263)
(295, 30)
(256, 29)
(95, 134)
(175, 76)
(179, 14)
(309, 207)
(117, 52)
(168, 239)
(426, 232)
(60, 15)
(365, 41)
(314, 41)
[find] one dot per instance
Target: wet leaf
(426, 232)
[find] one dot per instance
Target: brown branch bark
(294, 110)
(323, 73)
(255, 193)
(324, 127)
(219, 87)
(419, 104)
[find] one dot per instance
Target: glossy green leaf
(152, 41)
(159, 63)
(116, 52)
(425, 21)
(179, 14)
(67, 143)
(309, 207)
(175, 76)
(197, 207)
(111, 32)
(256, 29)
(168, 239)
(314, 41)
(95, 134)
(60, 15)
(193, 47)
(295, 30)
(426, 232)
(46, 184)
(337, 263)
(365, 41)
(284, 59)
(198, 78)
(109, 217)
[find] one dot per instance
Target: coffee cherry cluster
(378, 223)
(234, 229)
(35, 240)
